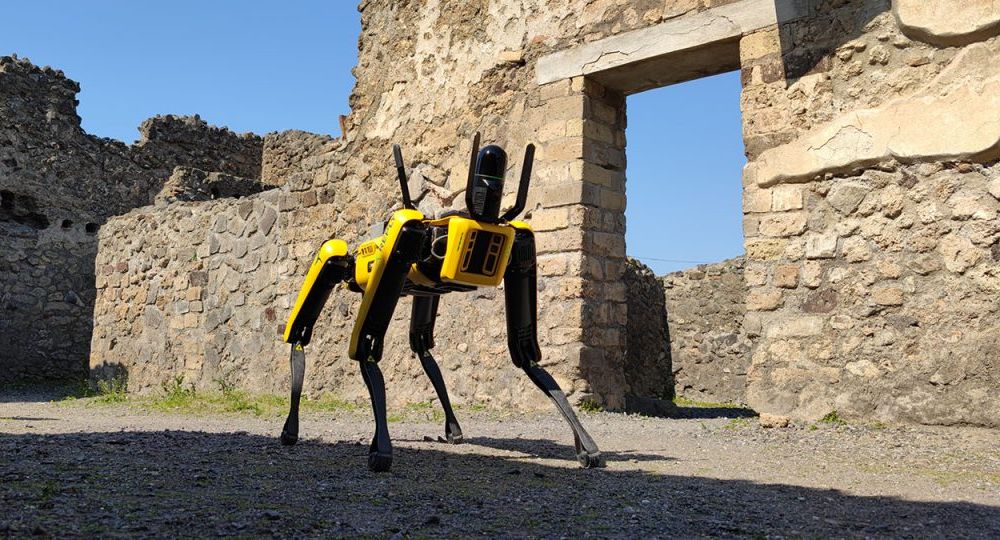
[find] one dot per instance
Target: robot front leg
(520, 294)
(421, 342)
(380, 450)
(377, 306)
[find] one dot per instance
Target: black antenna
(397, 154)
(522, 188)
(472, 173)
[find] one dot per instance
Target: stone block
(759, 45)
(756, 200)
(764, 300)
(801, 326)
(786, 276)
(821, 246)
(948, 22)
(783, 224)
(786, 197)
(935, 127)
(888, 296)
(959, 253)
(550, 219)
(846, 196)
(765, 249)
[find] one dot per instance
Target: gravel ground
(76, 468)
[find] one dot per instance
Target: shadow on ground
(705, 413)
(171, 483)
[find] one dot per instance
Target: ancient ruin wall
(58, 186)
(647, 351)
(871, 217)
(479, 60)
(837, 94)
(709, 350)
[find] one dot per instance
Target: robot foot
(590, 460)
(453, 432)
(287, 438)
(379, 462)
(379, 459)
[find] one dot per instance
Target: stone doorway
(592, 82)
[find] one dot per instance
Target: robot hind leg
(421, 342)
(520, 294)
(331, 266)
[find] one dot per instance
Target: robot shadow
(547, 449)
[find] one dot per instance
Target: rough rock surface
(190, 184)
(647, 355)
(943, 120)
(948, 22)
(709, 350)
(58, 186)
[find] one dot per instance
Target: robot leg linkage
(421, 342)
(377, 306)
(331, 266)
(520, 294)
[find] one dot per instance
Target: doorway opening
(684, 240)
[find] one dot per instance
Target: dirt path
(79, 469)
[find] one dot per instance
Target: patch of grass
(737, 423)
(833, 419)
(682, 401)
(114, 390)
(474, 407)
(425, 410)
(176, 395)
(240, 401)
(324, 403)
(590, 406)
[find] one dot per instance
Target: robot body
(426, 258)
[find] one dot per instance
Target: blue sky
(266, 66)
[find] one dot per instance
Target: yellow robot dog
(425, 258)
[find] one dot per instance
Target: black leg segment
(290, 433)
(520, 293)
(586, 449)
(380, 451)
(421, 342)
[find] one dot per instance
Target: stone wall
(58, 185)
(482, 81)
(288, 153)
(870, 224)
(648, 359)
(709, 350)
(868, 196)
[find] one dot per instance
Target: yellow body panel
(330, 248)
(369, 263)
(463, 235)
(374, 252)
(521, 226)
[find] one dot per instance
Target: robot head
(485, 188)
